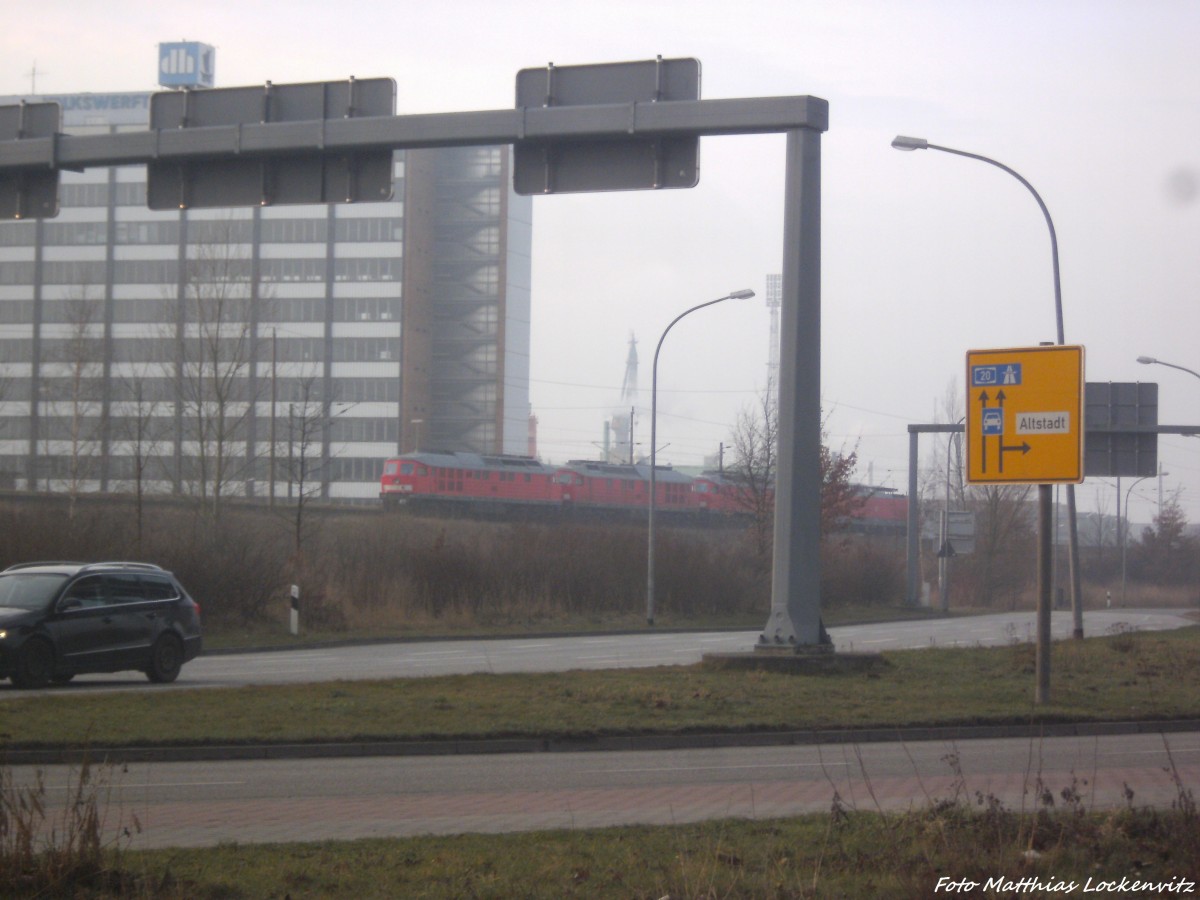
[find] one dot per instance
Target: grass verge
(988, 851)
(1123, 676)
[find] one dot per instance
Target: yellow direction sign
(1024, 421)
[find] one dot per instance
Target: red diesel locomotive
(497, 484)
(500, 486)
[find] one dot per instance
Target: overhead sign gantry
(646, 133)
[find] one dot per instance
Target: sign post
(1025, 425)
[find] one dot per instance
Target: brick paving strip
(209, 822)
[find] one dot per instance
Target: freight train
(501, 486)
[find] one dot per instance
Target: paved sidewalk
(395, 798)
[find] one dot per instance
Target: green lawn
(1127, 676)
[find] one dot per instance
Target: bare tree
(307, 420)
(1004, 521)
(1004, 542)
(216, 347)
(73, 394)
(141, 428)
(1103, 529)
(752, 474)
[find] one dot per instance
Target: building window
(16, 312)
(367, 269)
(83, 194)
(366, 309)
(366, 230)
(367, 390)
(355, 469)
(298, 309)
(293, 231)
(143, 310)
(220, 232)
(73, 272)
(129, 193)
(16, 272)
(292, 270)
(143, 271)
(17, 234)
(16, 351)
(147, 232)
(59, 233)
(366, 350)
(366, 430)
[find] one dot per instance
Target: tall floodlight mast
(774, 301)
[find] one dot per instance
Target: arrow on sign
(1023, 448)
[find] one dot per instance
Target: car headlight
(3, 634)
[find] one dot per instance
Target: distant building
(200, 348)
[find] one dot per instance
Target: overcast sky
(925, 255)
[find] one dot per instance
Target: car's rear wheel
(62, 677)
(166, 659)
(35, 664)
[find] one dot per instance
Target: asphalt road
(556, 654)
(202, 804)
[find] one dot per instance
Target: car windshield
(28, 590)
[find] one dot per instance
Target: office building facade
(266, 351)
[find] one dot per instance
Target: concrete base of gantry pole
(798, 630)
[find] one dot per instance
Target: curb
(615, 743)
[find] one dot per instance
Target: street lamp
(1150, 360)
(902, 142)
(744, 294)
(1124, 528)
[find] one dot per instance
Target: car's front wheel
(35, 664)
(166, 659)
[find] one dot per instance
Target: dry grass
(52, 850)
(969, 840)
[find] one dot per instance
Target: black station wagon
(58, 620)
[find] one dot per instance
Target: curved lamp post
(1124, 528)
(744, 294)
(911, 143)
(1150, 361)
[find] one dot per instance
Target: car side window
(124, 589)
(87, 593)
(158, 587)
